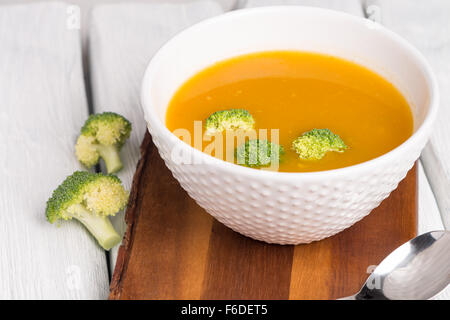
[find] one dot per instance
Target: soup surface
(296, 92)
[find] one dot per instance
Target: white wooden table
(43, 102)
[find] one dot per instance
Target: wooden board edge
(131, 220)
(415, 167)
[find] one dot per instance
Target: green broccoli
(314, 144)
(258, 153)
(102, 136)
(233, 119)
(89, 198)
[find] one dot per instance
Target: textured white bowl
(276, 207)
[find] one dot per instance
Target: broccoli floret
(314, 144)
(258, 153)
(89, 198)
(233, 119)
(102, 136)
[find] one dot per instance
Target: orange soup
(296, 92)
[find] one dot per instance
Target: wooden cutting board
(173, 249)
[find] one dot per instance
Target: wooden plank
(43, 106)
(123, 38)
(173, 252)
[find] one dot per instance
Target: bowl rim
(153, 120)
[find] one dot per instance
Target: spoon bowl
(417, 270)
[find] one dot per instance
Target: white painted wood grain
(42, 106)
(429, 218)
(427, 27)
(86, 6)
(122, 40)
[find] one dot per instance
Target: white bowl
(277, 207)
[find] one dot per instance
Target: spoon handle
(353, 297)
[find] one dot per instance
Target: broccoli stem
(100, 227)
(110, 154)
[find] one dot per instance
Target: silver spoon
(417, 270)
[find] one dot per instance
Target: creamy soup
(296, 92)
